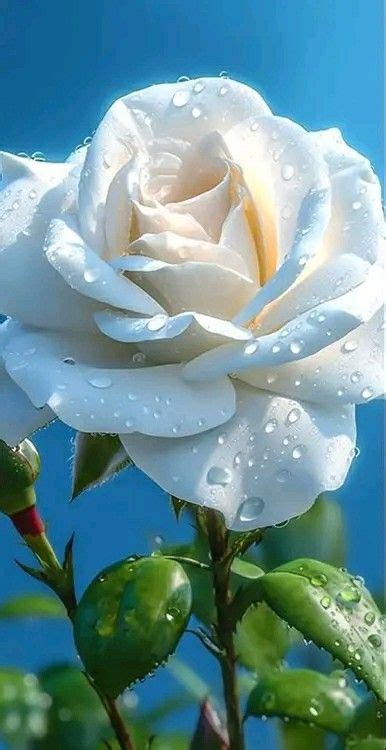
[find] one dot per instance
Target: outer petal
(88, 274)
(266, 465)
(308, 334)
(168, 110)
(349, 371)
(176, 339)
(34, 192)
(205, 287)
(93, 397)
(18, 417)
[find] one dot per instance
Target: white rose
(205, 280)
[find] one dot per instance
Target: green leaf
(130, 620)
(209, 732)
(334, 610)
(297, 736)
(31, 605)
(76, 718)
(23, 707)
(170, 742)
(262, 640)
(97, 458)
(371, 743)
(301, 694)
(319, 533)
(368, 720)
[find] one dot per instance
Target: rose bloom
(204, 279)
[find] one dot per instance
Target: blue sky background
(61, 65)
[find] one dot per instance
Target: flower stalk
(218, 539)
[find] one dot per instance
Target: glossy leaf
(299, 736)
(130, 620)
(32, 606)
(319, 533)
(23, 707)
(308, 696)
(333, 609)
(368, 720)
(209, 733)
(262, 640)
(97, 458)
(76, 718)
(371, 743)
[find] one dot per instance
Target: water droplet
(219, 475)
(32, 194)
(223, 90)
(271, 426)
(356, 376)
(251, 508)
(139, 357)
(157, 322)
(367, 393)
(315, 708)
(357, 205)
(129, 423)
(254, 125)
(91, 274)
(69, 361)
(296, 346)
(276, 349)
(283, 476)
(100, 381)
(369, 618)
(198, 87)
(320, 579)
(325, 602)
(172, 613)
(196, 112)
(349, 596)
(287, 171)
(321, 318)
(293, 416)
(251, 347)
(181, 98)
(349, 346)
(298, 451)
(237, 459)
(221, 439)
(375, 640)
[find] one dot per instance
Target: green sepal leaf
(368, 720)
(319, 533)
(308, 696)
(97, 458)
(371, 743)
(33, 606)
(130, 620)
(262, 640)
(76, 718)
(178, 506)
(19, 469)
(333, 609)
(23, 707)
(209, 732)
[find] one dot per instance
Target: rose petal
(89, 274)
(349, 371)
(204, 287)
(175, 339)
(266, 465)
(69, 376)
(172, 248)
(34, 192)
(307, 334)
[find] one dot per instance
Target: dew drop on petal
(196, 112)
(287, 171)
(293, 416)
(198, 87)
(91, 274)
(357, 205)
(251, 508)
(296, 346)
(251, 347)
(283, 476)
(181, 98)
(298, 451)
(367, 393)
(369, 618)
(219, 475)
(349, 346)
(100, 381)
(375, 640)
(271, 426)
(356, 376)
(157, 322)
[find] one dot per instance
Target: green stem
(218, 539)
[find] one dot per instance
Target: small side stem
(218, 539)
(117, 724)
